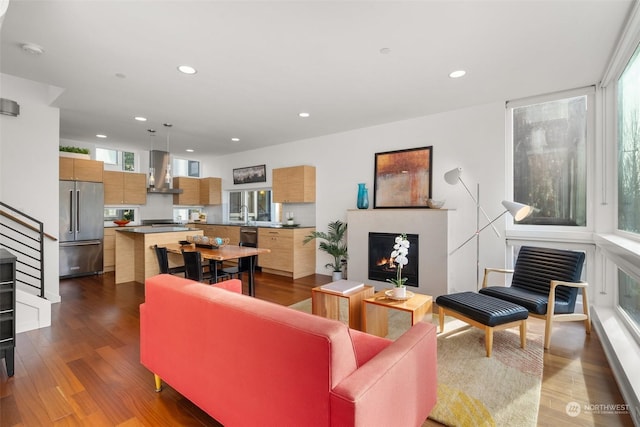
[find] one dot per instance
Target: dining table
(223, 253)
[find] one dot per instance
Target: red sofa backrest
(235, 356)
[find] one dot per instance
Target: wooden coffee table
(327, 304)
(375, 311)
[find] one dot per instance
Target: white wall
(471, 138)
(29, 162)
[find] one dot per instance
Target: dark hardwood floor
(85, 369)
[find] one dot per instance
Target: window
(114, 157)
(128, 161)
(184, 167)
(629, 146)
(629, 297)
(549, 160)
(185, 214)
(256, 204)
(107, 155)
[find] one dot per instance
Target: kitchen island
(135, 258)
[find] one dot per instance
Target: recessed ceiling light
(235, 139)
(303, 115)
(140, 118)
(187, 69)
(101, 135)
(189, 150)
(457, 74)
(32, 48)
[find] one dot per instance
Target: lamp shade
(517, 210)
(453, 175)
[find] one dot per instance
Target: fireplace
(382, 267)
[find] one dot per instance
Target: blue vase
(363, 197)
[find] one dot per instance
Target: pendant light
(152, 170)
(167, 176)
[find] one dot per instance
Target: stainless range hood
(159, 160)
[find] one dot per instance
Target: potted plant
(334, 244)
(77, 152)
(399, 257)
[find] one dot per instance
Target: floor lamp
(517, 210)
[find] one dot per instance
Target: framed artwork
(250, 174)
(403, 178)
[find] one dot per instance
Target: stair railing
(24, 236)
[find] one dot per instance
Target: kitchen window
(257, 204)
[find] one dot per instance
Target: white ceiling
(261, 63)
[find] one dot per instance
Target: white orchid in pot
(399, 257)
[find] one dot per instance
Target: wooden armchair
(546, 282)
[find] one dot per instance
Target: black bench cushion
(534, 270)
(482, 308)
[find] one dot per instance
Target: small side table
(327, 304)
(375, 316)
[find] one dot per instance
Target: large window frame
(571, 232)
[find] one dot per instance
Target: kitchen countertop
(153, 230)
(251, 225)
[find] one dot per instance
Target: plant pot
(400, 292)
(336, 275)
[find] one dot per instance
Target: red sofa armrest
(404, 373)
(366, 345)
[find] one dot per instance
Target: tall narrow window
(550, 161)
(629, 297)
(629, 146)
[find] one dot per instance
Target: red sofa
(248, 362)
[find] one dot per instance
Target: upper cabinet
(211, 191)
(125, 188)
(72, 169)
(295, 184)
(197, 191)
(190, 191)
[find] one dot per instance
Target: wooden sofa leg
(158, 381)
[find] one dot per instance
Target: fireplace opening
(382, 267)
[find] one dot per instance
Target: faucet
(246, 216)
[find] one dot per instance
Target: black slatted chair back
(163, 259)
(536, 267)
(193, 265)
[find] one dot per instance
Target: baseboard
(32, 312)
(623, 353)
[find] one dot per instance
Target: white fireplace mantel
(432, 227)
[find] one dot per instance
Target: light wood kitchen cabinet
(230, 231)
(109, 249)
(211, 191)
(190, 191)
(125, 188)
(289, 256)
(295, 184)
(72, 169)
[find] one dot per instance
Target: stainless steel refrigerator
(81, 228)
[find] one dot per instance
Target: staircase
(23, 236)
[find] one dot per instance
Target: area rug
(474, 390)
